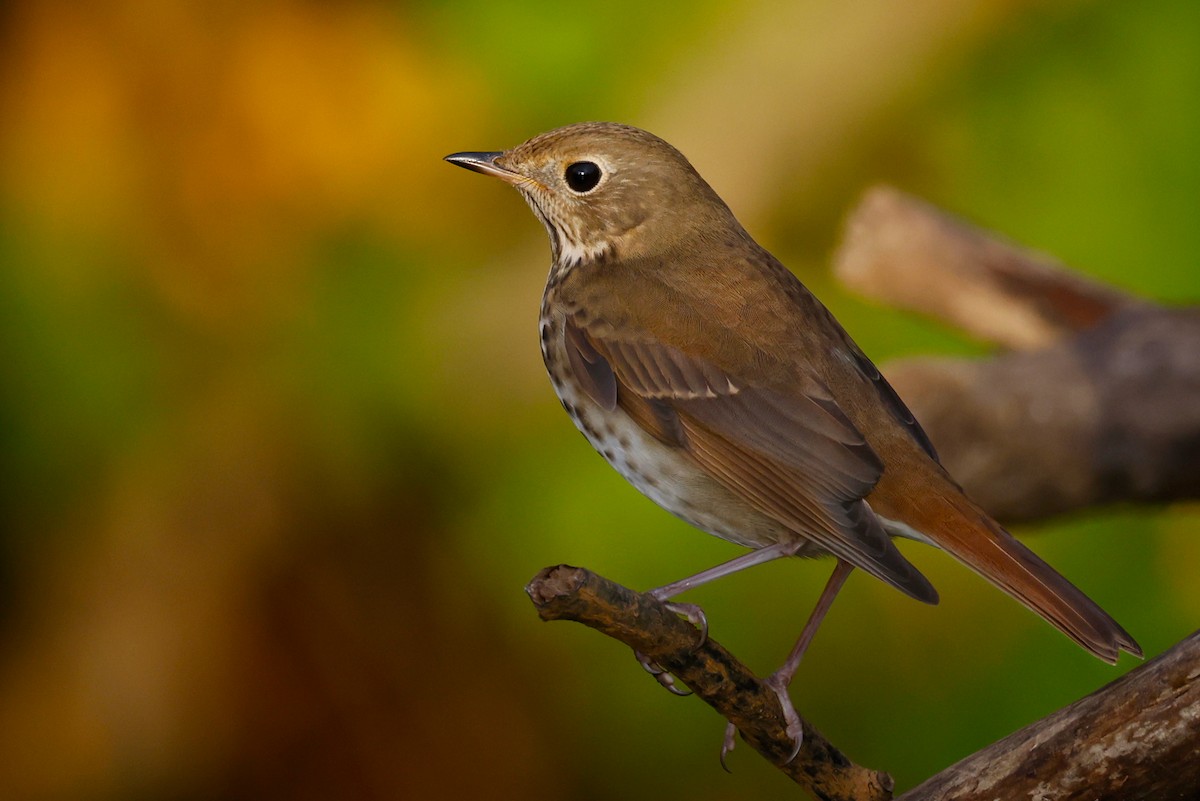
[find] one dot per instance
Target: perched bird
(719, 386)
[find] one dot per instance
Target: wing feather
(793, 455)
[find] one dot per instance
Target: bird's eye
(582, 176)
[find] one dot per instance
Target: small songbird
(719, 386)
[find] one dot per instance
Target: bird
(716, 383)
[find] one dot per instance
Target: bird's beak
(486, 164)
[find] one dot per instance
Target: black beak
(484, 163)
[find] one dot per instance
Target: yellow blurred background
(279, 453)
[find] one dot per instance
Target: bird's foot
(728, 744)
(694, 615)
(660, 674)
(793, 726)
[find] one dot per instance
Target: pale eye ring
(582, 176)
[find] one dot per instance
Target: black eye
(582, 176)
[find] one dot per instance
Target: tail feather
(965, 531)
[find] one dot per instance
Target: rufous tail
(954, 523)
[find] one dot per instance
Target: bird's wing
(891, 401)
(795, 456)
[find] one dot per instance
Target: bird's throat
(567, 251)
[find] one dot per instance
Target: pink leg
(755, 557)
(788, 670)
(694, 613)
(780, 679)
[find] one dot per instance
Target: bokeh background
(278, 450)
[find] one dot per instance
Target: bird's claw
(660, 674)
(729, 743)
(694, 615)
(792, 724)
(689, 612)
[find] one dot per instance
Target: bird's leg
(694, 613)
(756, 557)
(781, 678)
(788, 669)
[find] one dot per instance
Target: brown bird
(719, 386)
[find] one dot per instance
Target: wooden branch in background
(647, 625)
(1097, 404)
(909, 254)
(1137, 738)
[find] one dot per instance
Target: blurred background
(279, 454)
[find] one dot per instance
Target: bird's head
(606, 191)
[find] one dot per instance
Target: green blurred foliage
(279, 454)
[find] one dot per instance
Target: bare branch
(908, 254)
(1137, 738)
(1100, 405)
(1106, 416)
(645, 624)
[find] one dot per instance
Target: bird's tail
(954, 523)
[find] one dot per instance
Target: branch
(647, 625)
(1097, 405)
(907, 253)
(1137, 738)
